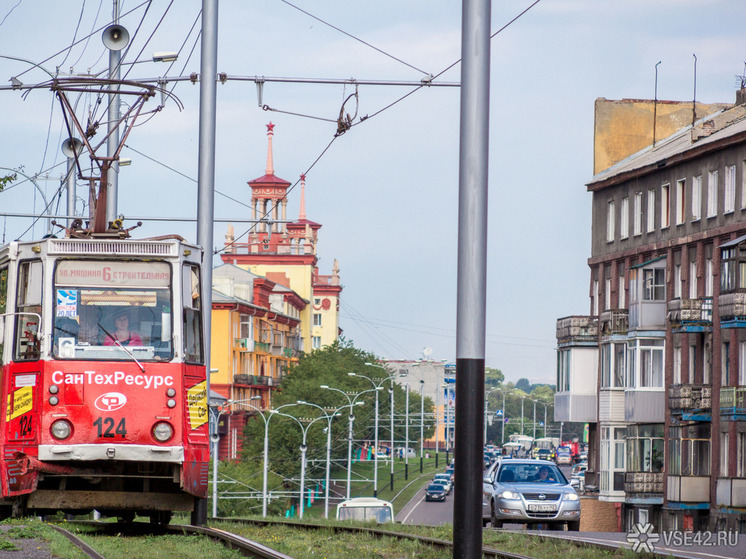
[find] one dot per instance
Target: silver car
(530, 492)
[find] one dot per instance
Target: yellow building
(255, 339)
(285, 252)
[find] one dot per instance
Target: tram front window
(112, 310)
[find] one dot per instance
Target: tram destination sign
(101, 273)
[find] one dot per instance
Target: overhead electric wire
(366, 117)
(353, 37)
(11, 11)
(77, 28)
(82, 52)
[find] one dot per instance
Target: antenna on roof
(655, 102)
(694, 100)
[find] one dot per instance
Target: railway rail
(251, 548)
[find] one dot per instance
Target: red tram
(99, 416)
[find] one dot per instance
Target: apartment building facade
(658, 366)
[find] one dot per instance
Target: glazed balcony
(731, 492)
(688, 489)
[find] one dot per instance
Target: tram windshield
(112, 310)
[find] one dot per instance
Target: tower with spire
(285, 252)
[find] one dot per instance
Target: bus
(367, 509)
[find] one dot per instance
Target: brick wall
(598, 516)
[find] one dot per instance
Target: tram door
(22, 378)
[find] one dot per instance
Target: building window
(651, 211)
(741, 363)
(708, 278)
(677, 281)
(712, 194)
(689, 450)
(645, 363)
(563, 370)
(741, 455)
(692, 362)
(621, 289)
(743, 184)
(624, 219)
(665, 206)
(637, 225)
(317, 319)
(610, 219)
(613, 365)
(595, 297)
(654, 282)
(725, 360)
(677, 365)
(645, 448)
(697, 198)
(729, 202)
(680, 201)
(692, 280)
(723, 454)
(607, 293)
(316, 342)
(612, 458)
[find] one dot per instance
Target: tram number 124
(105, 427)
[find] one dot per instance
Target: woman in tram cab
(122, 334)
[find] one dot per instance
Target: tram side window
(192, 314)
(3, 306)
(28, 306)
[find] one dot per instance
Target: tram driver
(122, 333)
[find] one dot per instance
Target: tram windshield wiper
(127, 351)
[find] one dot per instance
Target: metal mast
(472, 276)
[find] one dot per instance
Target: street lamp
(351, 420)
(377, 386)
(266, 443)
(422, 420)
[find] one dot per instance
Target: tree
(493, 378)
(329, 366)
(524, 384)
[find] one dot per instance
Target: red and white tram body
(100, 417)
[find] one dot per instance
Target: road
(419, 511)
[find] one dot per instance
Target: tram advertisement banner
(103, 273)
(197, 405)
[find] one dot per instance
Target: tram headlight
(61, 429)
(162, 431)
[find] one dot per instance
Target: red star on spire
(270, 127)
(303, 177)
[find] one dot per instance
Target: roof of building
(685, 143)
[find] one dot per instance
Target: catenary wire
(85, 47)
(353, 37)
(11, 11)
(77, 28)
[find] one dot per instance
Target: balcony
(244, 344)
(577, 329)
(243, 379)
(690, 315)
(731, 492)
(732, 306)
(611, 405)
(262, 347)
(692, 401)
(643, 484)
(733, 402)
(644, 405)
(614, 322)
(688, 489)
(569, 406)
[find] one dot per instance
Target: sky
(386, 191)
